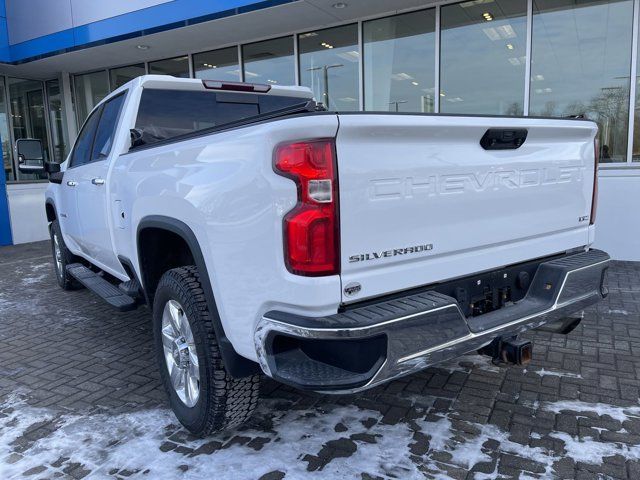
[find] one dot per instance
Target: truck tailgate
(421, 201)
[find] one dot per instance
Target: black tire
(224, 402)
(65, 281)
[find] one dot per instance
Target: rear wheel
(61, 258)
(202, 394)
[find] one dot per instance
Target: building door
(28, 116)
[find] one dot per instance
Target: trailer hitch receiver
(510, 351)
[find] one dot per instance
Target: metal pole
(527, 69)
(325, 77)
(633, 80)
(436, 101)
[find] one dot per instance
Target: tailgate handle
(503, 139)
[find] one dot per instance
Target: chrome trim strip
(366, 327)
(441, 346)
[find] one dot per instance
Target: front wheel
(202, 394)
(61, 258)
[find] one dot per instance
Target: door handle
(98, 181)
(71, 183)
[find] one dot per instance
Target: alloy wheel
(180, 353)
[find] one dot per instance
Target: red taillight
(311, 229)
(594, 197)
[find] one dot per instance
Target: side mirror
(30, 155)
(53, 172)
(51, 167)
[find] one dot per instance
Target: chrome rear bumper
(369, 345)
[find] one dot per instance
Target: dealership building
(59, 58)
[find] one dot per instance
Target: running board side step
(102, 288)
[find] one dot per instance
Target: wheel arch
(50, 210)
(237, 365)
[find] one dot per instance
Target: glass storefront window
(483, 57)
(26, 98)
(399, 62)
(120, 76)
(329, 64)
(269, 62)
(217, 65)
(58, 122)
(581, 63)
(635, 157)
(177, 67)
(90, 88)
(5, 139)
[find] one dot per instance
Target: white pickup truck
(330, 251)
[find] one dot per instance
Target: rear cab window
(165, 114)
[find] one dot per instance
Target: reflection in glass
(89, 88)
(177, 67)
(483, 57)
(58, 122)
(329, 61)
(120, 76)
(26, 98)
(217, 65)
(5, 139)
(399, 56)
(581, 59)
(269, 62)
(636, 125)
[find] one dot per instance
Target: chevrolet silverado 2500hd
(330, 251)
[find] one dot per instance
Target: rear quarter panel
(224, 188)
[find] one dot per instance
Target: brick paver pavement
(80, 397)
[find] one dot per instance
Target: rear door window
(107, 128)
(165, 114)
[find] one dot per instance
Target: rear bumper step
(102, 288)
(369, 345)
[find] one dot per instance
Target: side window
(82, 148)
(107, 128)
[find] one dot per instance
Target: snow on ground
(622, 414)
(131, 441)
(588, 450)
(550, 373)
(32, 274)
(327, 441)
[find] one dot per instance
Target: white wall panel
(618, 217)
(27, 213)
(28, 19)
(88, 11)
